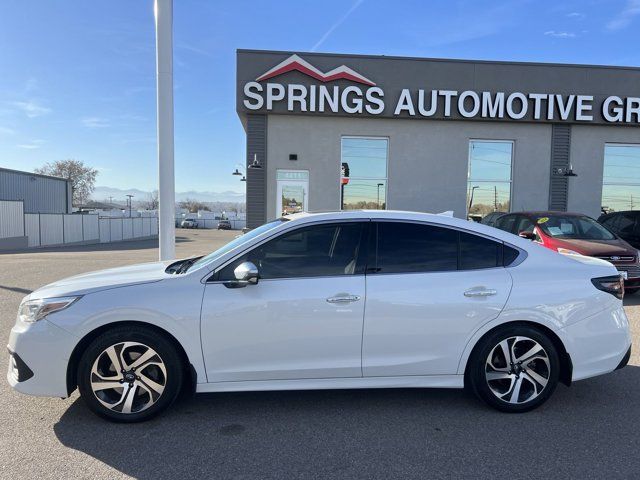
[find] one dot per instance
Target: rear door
(428, 289)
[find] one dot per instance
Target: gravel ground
(590, 430)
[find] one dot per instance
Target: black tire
(531, 393)
(170, 378)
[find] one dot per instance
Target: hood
(597, 248)
(103, 279)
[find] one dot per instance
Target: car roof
(548, 213)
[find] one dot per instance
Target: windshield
(239, 240)
(573, 227)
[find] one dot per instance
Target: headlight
(34, 310)
(566, 251)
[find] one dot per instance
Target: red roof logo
(294, 62)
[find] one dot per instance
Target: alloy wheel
(517, 370)
(128, 377)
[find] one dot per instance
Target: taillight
(613, 285)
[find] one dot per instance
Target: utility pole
(166, 174)
(495, 198)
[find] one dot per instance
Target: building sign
(346, 91)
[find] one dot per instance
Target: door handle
(343, 299)
(485, 292)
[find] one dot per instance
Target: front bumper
(40, 353)
(598, 344)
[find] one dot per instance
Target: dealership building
(329, 132)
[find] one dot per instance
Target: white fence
(11, 219)
(46, 229)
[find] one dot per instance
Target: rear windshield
(573, 227)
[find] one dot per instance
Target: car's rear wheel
(130, 374)
(514, 369)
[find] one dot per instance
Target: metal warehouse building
(326, 132)
(40, 193)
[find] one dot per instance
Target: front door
(430, 289)
(292, 192)
(303, 319)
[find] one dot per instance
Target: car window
(412, 247)
(626, 225)
(314, 251)
(573, 227)
(611, 222)
(479, 252)
(524, 224)
(506, 223)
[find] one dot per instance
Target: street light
(129, 197)
(471, 197)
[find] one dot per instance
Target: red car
(574, 233)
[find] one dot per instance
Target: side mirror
(246, 274)
(527, 235)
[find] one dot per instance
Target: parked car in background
(224, 225)
(189, 223)
(357, 299)
(490, 218)
(626, 225)
(574, 233)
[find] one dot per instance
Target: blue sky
(77, 78)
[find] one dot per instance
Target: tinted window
(319, 250)
(524, 225)
(509, 255)
(626, 224)
(506, 223)
(479, 252)
(410, 247)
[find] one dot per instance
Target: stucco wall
(428, 160)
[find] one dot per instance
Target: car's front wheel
(514, 369)
(130, 374)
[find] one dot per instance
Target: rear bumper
(598, 344)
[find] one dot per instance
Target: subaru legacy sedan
(361, 299)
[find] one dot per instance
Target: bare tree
(82, 177)
(193, 205)
(152, 201)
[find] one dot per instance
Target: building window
(363, 181)
(489, 177)
(621, 178)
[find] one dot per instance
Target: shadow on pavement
(99, 247)
(586, 431)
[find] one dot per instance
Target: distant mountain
(119, 195)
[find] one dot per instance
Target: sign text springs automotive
(367, 97)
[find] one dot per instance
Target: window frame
(373, 248)
(617, 184)
(214, 278)
(385, 179)
(511, 167)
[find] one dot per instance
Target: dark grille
(617, 258)
(633, 271)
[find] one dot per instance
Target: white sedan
(369, 299)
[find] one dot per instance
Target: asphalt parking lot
(590, 430)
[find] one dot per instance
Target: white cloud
(95, 122)
(32, 145)
(328, 33)
(553, 33)
(7, 131)
(576, 15)
(625, 17)
(31, 108)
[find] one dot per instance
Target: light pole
(378, 202)
(471, 198)
(166, 174)
(129, 197)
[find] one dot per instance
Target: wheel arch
(72, 365)
(566, 365)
